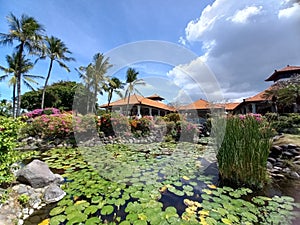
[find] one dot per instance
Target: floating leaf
(107, 209)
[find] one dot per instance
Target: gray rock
(292, 146)
(287, 154)
(294, 175)
(59, 179)
(36, 174)
(276, 150)
(269, 165)
(278, 176)
(53, 193)
(271, 160)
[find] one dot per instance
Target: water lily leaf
(140, 222)
(91, 209)
(92, 221)
(226, 221)
(56, 220)
(56, 211)
(76, 217)
(107, 209)
(124, 223)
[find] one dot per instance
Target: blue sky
(241, 43)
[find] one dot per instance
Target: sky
(183, 49)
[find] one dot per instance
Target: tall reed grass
(242, 156)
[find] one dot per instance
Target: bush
(242, 156)
(175, 117)
(285, 123)
(39, 112)
(9, 129)
(186, 131)
(142, 126)
(50, 126)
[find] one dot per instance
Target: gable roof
(285, 72)
(136, 100)
(231, 105)
(199, 104)
(155, 97)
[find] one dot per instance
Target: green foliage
(9, 129)
(50, 126)
(285, 123)
(59, 95)
(243, 154)
(23, 199)
(5, 108)
(175, 117)
(142, 126)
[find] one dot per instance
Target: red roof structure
(199, 104)
(285, 72)
(139, 100)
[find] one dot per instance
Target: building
(140, 106)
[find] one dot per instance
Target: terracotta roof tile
(137, 99)
(260, 96)
(199, 104)
(288, 69)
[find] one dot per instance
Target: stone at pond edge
(53, 193)
(37, 174)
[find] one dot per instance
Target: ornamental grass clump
(242, 156)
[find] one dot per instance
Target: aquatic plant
(242, 156)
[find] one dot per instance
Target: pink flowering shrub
(39, 112)
(142, 126)
(51, 126)
(186, 131)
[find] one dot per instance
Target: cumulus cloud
(243, 42)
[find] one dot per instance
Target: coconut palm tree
(85, 73)
(15, 67)
(28, 33)
(56, 51)
(132, 82)
(113, 86)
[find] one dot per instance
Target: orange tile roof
(261, 96)
(231, 105)
(285, 70)
(199, 104)
(155, 97)
(137, 99)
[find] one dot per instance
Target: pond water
(153, 183)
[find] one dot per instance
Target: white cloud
(243, 42)
(242, 16)
(289, 12)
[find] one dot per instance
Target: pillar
(150, 111)
(253, 107)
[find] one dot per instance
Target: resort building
(141, 106)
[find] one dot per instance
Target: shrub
(51, 126)
(142, 126)
(242, 156)
(9, 129)
(39, 112)
(175, 117)
(186, 131)
(285, 123)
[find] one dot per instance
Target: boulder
(53, 193)
(37, 174)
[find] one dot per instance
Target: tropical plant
(28, 33)
(132, 82)
(94, 76)
(5, 108)
(56, 51)
(14, 67)
(63, 95)
(243, 154)
(114, 84)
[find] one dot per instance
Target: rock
(286, 170)
(284, 147)
(291, 146)
(271, 160)
(59, 179)
(294, 175)
(278, 176)
(269, 165)
(276, 150)
(36, 174)
(287, 154)
(53, 194)
(294, 152)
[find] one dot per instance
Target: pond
(159, 183)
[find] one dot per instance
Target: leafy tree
(132, 82)
(5, 108)
(56, 51)
(14, 66)
(28, 33)
(286, 93)
(114, 84)
(59, 95)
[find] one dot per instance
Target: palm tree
(85, 73)
(96, 74)
(15, 67)
(132, 82)
(114, 84)
(28, 33)
(56, 51)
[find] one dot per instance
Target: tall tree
(56, 51)
(132, 81)
(15, 67)
(28, 33)
(114, 85)
(95, 72)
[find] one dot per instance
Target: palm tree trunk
(109, 100)
(14, 101)
(46, 83)
(19, 79)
